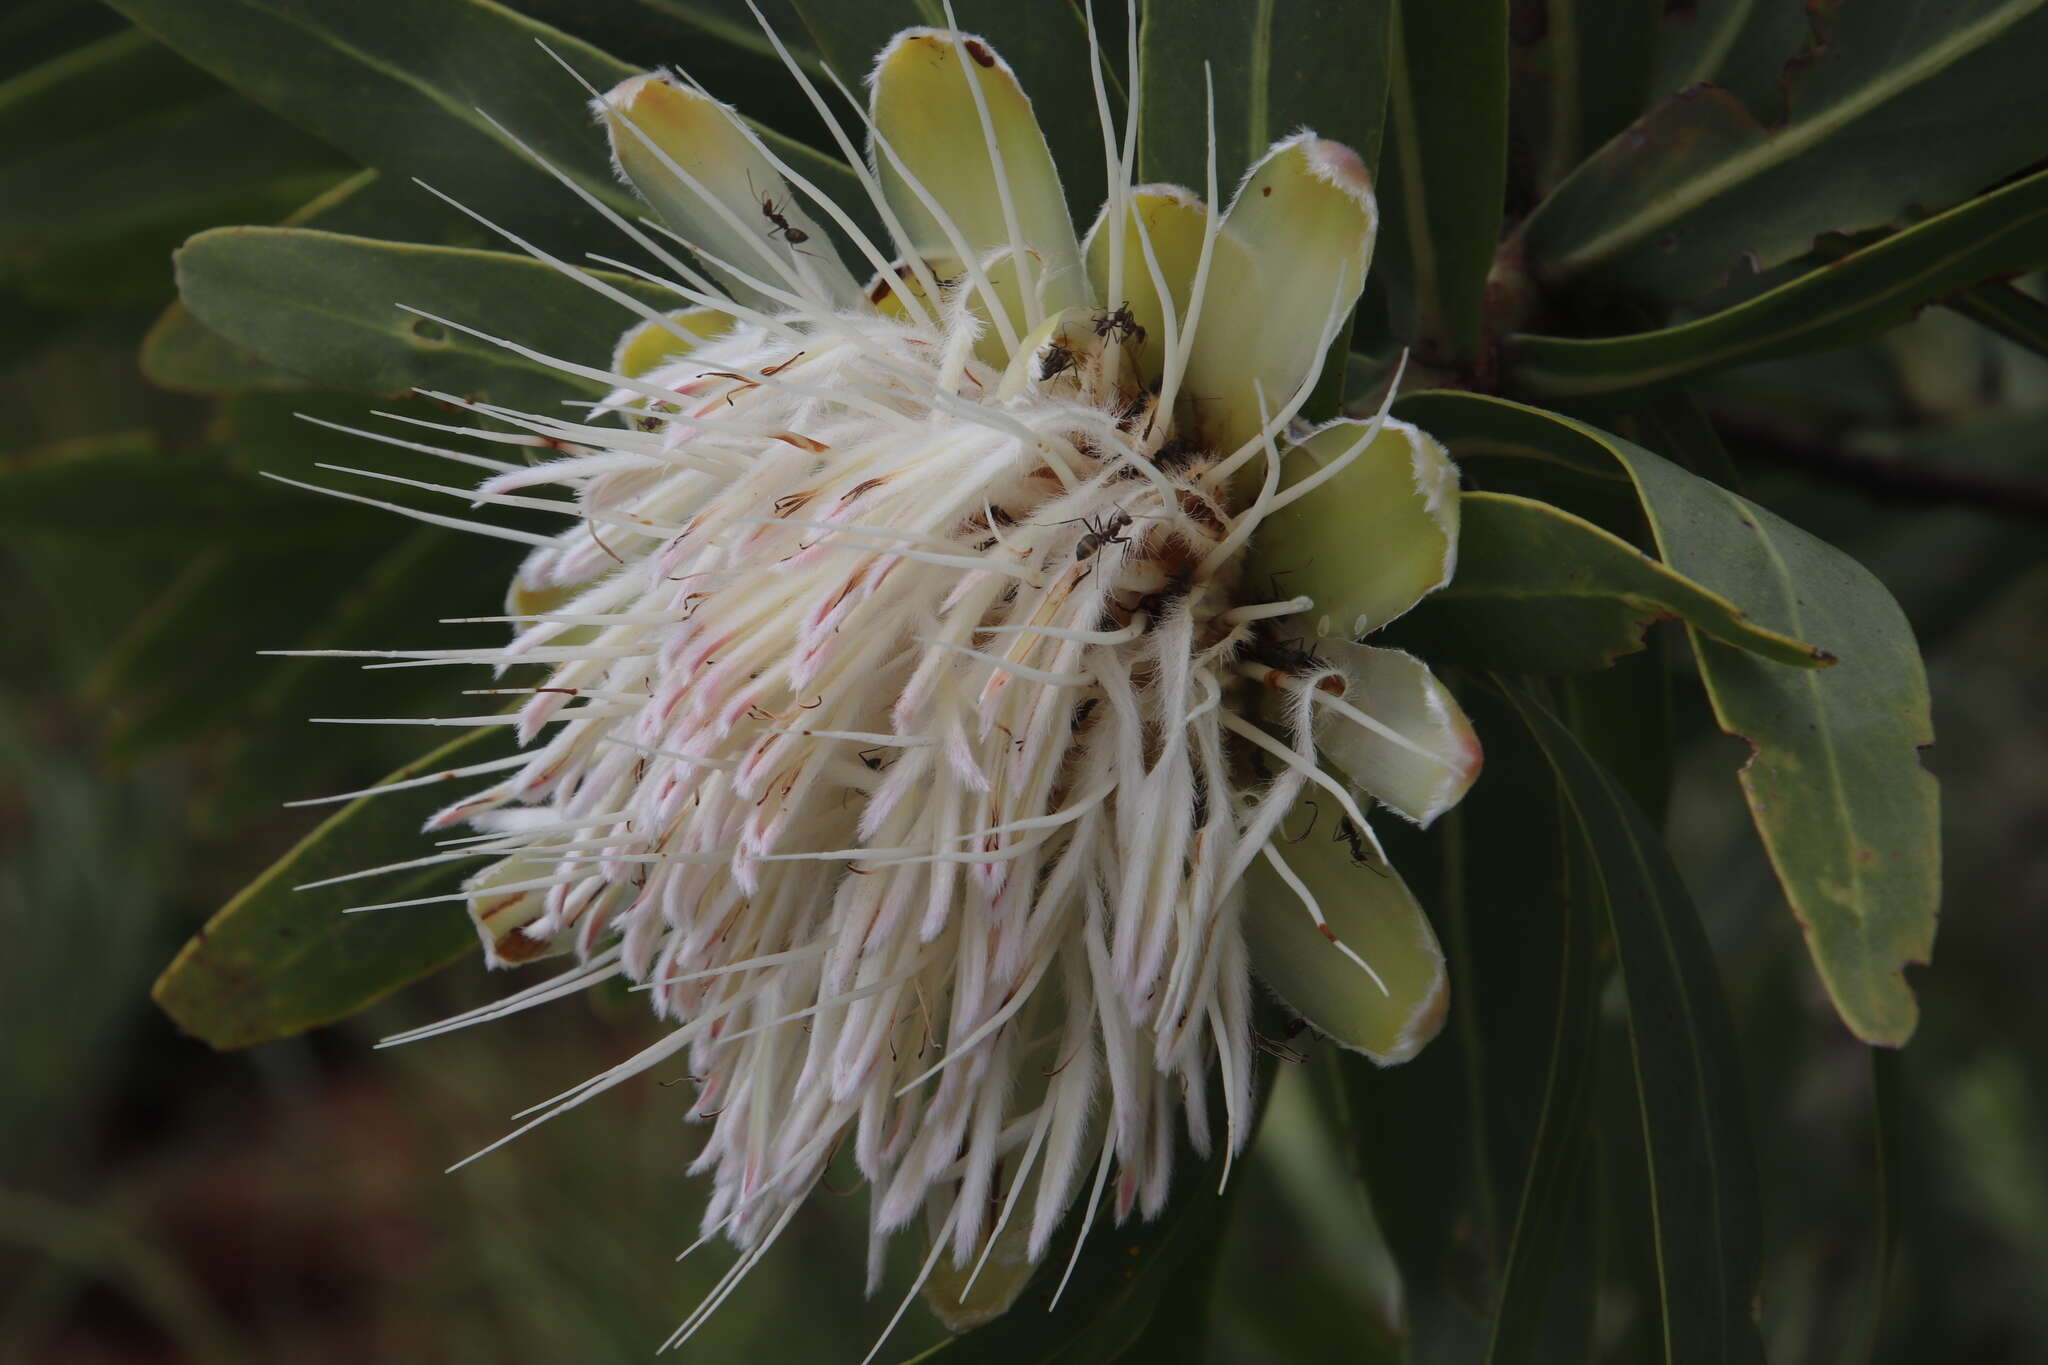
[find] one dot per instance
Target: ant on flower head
(1119, 321)
(1056, 359)
(795, 236)
(1100, 532)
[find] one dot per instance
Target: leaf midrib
(1796, 138)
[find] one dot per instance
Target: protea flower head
(951, 696)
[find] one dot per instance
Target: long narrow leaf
(1702, 1170)
(1889, 109)
(414, 91)
(1278, 66)
(1447, 140)
(1846, 300)
(1557, 1172)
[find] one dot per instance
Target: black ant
(1101, 532)
(1056, 359)
(1119, 320)
(795, 236)
(1294, 655)
(1360, 854)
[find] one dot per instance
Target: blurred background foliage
(161, 1202)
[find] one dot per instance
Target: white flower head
(928, 683)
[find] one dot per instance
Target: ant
(1100, 532)
(1360, 854)
(1056, 359)
(1119, 320)
(795, 236)
(1296, 655)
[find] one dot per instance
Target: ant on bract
(795, 236)
(1361, 856)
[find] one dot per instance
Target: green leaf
(120, 148)
(373, 204)
(1702, 1171)
(1623, 718)
(277, 960)
(274, 961)
(1739, 45)
(720, 43)
(183, 354)
(120, 489)
(1857, 296)
(850, 35)
(1898, 106)
(93, 219)
(1848, 815)
(401, 90)
(1446, 165)
(727, 23)
(1672, 422)
(187, 663)
(1539, 590)
(328, 307)
(34, 32)
(1278, 66)
(425, 575)
(2020, 318)
(1445, 1141)
(1559, 1157)
(408, 90)
(99, 85)
(1596, 73)
(1312, 1256)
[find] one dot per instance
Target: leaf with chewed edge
(1849, 817)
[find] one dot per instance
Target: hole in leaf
(429, 333)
